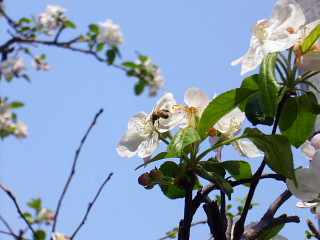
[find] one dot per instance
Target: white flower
(142, 137)
(309, 148)
(40, 64)
(5, 113)
(20, 130)
(229, 126)
(308, 189)
(310, 61)
(53, 17)
(12, 66)
(59, 236)
(155, 85)
(274, 35)
(110, 33)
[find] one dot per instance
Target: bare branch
(73, 170)
(313, 229)
(13, 235)
(7, 225)
(10, 194)
(90, 206)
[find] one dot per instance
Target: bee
(163, 113)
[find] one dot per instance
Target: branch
(90, 206)
(73, 170)
(215, 221)
(14, 235)
(313, 229)
(10, 194)
(7, 225)
(175, 232)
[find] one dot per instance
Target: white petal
(315, 163)
(246, 149)
(166, 102)
(174, 120)
(129, 143)
(197, 98)
(306, 205)
(308, 150)
(139, 120)
(287, 13)
(315, 141)
(308, 184)
(149, 145)
(224, 124)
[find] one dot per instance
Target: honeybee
(163, 113)
(188, 110)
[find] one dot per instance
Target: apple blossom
(52, 18)
(142, 137)
(308, 180)
(40, 64)
(110, 33)
(229, 126)
(274, 35)
(12, 66)
(310, 147)
(59, 236)
(20, 130)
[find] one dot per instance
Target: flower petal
(197, 98)
(129, 143)
(308, 150)
(165, 102)
(306, 205)
(149, 145)
(315, 163)
(139, 120)
(246, 149)
(224, 124)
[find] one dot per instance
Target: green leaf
(222, 105)
(26, 77)
(99, 47)
(277, 149)
(130, 65)
(183, 138)
(41, 235)
(271, 233)
(296, 122)
(216, 178)
(309, 101)
(251, 82)
(269, 85)
(142, 58)
(238, 169)
(139, 87)
(16, 104)
(171, 169)
(35, 203)
(158, 157)
(254, 112)
(94, 28)
(69, 24)
(309, 41)
(111, 56)
(26, 20)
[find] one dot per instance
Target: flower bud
(145, 179)
(155, 174)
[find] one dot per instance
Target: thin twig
(73, 170)
(90, 206)
(7, 225)
(10, 194)
(175, 232)
(13, 235)
(313, 229)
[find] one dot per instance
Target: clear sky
(193, 42)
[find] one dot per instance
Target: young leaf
(35, 203)
(183, 138)
(238, 169)
(277, 149)
(99, 47)
(139, 87)
(16, 104)
(302, 122)
(41, 235)
(130, 65)
(69, 24)
(159, 156)
(94, 28)
(271, 233)
(222, 105)
(269, 85)
(111, 56)
(309, 101)
(311, 39)
(251, 82)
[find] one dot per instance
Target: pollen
(290, 30)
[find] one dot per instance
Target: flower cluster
(11, 67)
(8, 123)
(283, 31)
(53, 18)
(59, 236)
(146, 130)
(110, 33)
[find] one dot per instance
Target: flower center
(259, 30)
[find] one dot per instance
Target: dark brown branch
(268, 216)
(313, 229)
(90, 206)
(73, 170)
(7, 225)
(10, 194)
(13, 235)
(214, 220)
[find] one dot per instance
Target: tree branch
(90, 206)
(313, 229)
(10, 194)
(73, 170)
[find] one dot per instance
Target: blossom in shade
(12, 66)
(110, 33)
(274, 35)
(309, 148)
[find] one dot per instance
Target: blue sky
(193, 42)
